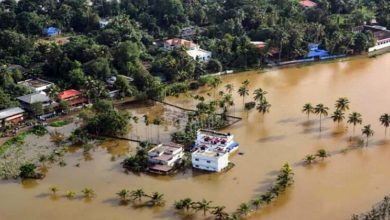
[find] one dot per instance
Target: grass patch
(18, 139)
(58, 124)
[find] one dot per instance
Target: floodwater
(335, 188)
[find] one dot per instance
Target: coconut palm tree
(243, 91)
(267, 197)
(385, 121)
(257, 203)
(53, 91)
(368, 132)
(54, 190)
(342, 104)
(309, 159)
(157, 121)
(70, 194)
(229, 88)
(338, 116)
(244, 209)
(57, 138)
(263, 107)
(135, 120)
(321, 110)
(245, 83)
(157, 199)
(186, 204)
(137, 194)
(308, 109)
(203, 205)
(259, 94)
(146, 121)
(248, 107)
(88, 193)
(355, 118)
(219, 213)
(215, 83)
(322, 154)
(124, 195)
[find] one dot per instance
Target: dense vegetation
(128, 45)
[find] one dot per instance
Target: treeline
(127, 45)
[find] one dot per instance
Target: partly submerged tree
(309, 159)
(244, 209)
(57, 138)
(355, 118)
(248, 107)
(308, 109)
(367, 131)
(321, 110)
(385, 121)
(338, 116)
(263, 107)
(204, 206)
(342, 104)
(243, 91)
(259, 95)
(322, 153)
(124, 195)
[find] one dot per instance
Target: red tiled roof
(181, 42)
(68, 94)
(308, 3)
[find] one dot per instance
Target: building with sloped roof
(11, 116)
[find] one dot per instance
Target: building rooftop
(68, 94)
(198, 52)
(35, 83)
(259, 44)
(34, 98)
(308, 3)
(181, 42)
(5, 113)
(164, 149)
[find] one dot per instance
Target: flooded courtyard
(335, 188)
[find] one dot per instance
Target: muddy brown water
(331, 189)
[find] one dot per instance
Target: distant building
(259, 44)
(111, 81)
(36, 85)
(174, 43)
(190, 32)
(72, 97)
(163, 158)
(200, 55)
(27, 100)
(51, 31)
(104, 22)
(315, 52)
(381, 34)
(212, 150)
(11, 116)
(308, 4)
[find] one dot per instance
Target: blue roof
(314, 51)
(51, 31)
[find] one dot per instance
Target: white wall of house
(383, 44)
(200, 55)
(210, 163)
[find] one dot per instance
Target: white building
(212, 150)
(36, 85)
(381, 35)
(164, 157)
(200, 55)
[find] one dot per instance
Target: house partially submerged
(381, 34)
(212, 149)
(36, 85)
(11, 116)
(164, 157)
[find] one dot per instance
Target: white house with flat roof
(36, 85)
(164, 157)
(212, 150)
(200, 55)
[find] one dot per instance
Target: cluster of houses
(210, 152)
(39, 88)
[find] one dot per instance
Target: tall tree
(321, 110)
(368, 132)
(385, 121)
(355, 118)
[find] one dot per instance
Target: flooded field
(331, 189)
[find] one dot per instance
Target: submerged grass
(58, 124)
(18, 139)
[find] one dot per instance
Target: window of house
(196, 159)
(208, 161)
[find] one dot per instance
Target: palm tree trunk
(320, 121)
